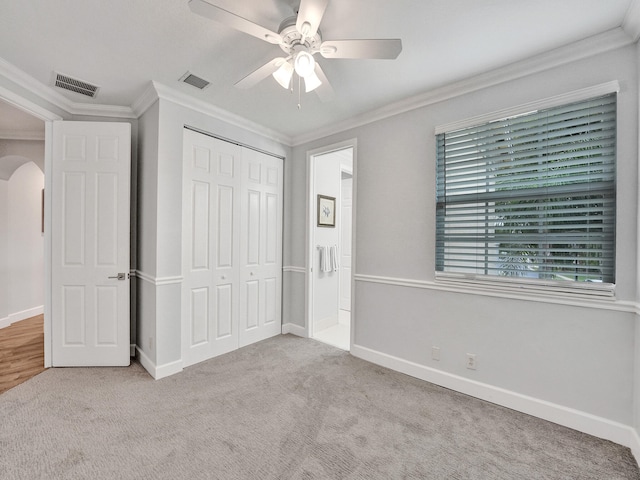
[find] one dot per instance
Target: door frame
(48, 117)
(348, 171)
(311, 212)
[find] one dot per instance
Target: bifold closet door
(260, 247)
(211, 226)
(232, 247)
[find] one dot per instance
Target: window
(530, 197)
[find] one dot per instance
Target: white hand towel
(325, 265)
(335, 265)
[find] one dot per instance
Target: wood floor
(21, 352)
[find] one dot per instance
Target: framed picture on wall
(326, 211)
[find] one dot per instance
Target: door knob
(120, 276)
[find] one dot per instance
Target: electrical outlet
(435, 353)
(471, 361)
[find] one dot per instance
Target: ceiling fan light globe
(283, 75)
(304, 64)
(311, 82)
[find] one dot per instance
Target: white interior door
(210, 244)
(90, 195)
(260, 247)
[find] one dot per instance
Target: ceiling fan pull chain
(299, 90)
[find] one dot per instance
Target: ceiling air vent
(74, 85)
(194, 81)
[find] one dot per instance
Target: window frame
(520, 285)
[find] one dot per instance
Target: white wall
(576, 356)
(4, 253)
(23, 245)
(326, 180)
(21, 270)
(30, 150)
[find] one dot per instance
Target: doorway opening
(22, 245)
(330, 246)
(27, 108)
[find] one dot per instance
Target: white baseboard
(635, 445)
(324, 323)
(22, 315)
(568, 417)
(294, 329)
(158, 372)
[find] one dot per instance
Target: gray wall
(636, 374)
(569, 354)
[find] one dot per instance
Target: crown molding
(35, 135)
(631, 22)
(158, 90)
(48, 94)
(98, 110)
(145, 101)
(551, 102)
(604, 42)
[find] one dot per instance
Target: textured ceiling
(122, 45)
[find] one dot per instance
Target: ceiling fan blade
(310, 13)
(381, 48)
(325, 91)
(261, 73)
(232, 20)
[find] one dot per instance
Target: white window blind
(530, 196)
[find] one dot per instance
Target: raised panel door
(210, 253)
(90, 244)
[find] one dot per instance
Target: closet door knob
(223, 277)
(251, 273)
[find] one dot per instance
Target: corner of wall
(635, 445)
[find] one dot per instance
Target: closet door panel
(225, 309)
(210, 254)
(200, 222)
(225, 231)
(253, 222)
(261, 247)
(252, 296)
(199, 316)
(271, 292)
(232, 247)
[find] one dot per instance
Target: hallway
(21, 352)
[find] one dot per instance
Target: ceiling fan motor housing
(293, 41)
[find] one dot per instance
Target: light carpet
(285, 408)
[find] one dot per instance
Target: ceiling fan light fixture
(283, 75)
(304, 64)
(311, 82)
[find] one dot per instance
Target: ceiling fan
(300, 39)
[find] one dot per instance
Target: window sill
(513, 291)
(522, 287)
